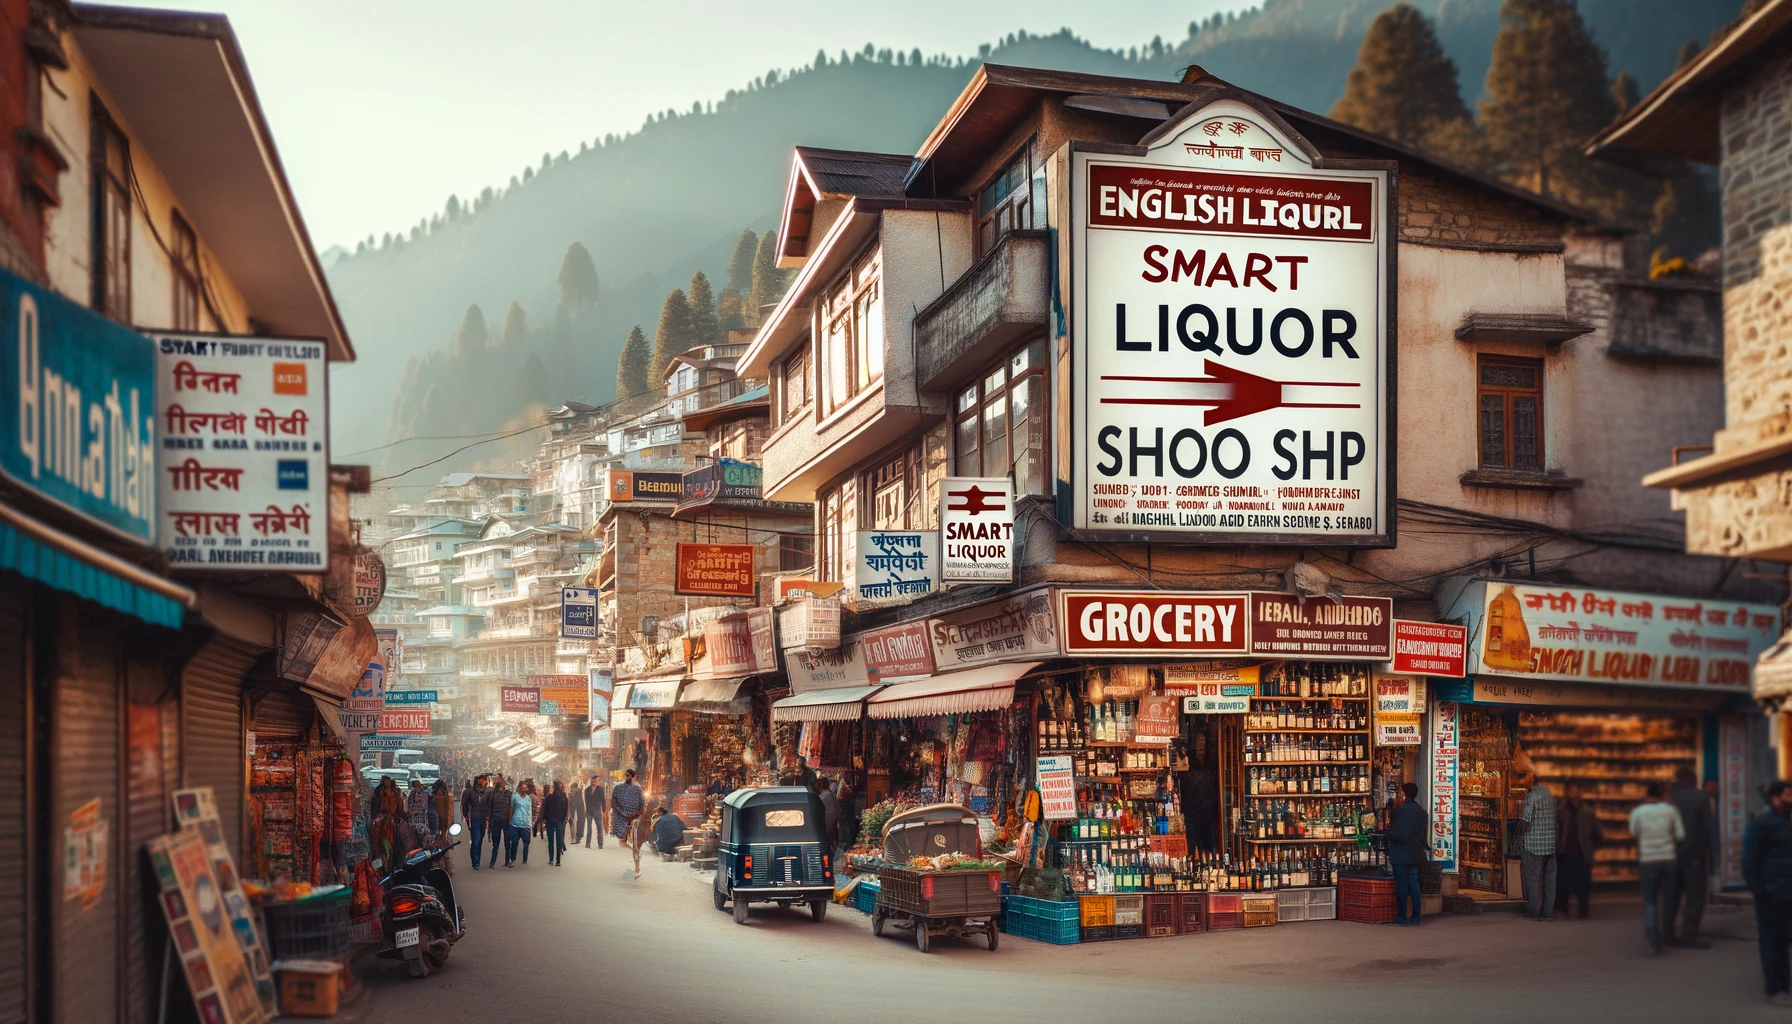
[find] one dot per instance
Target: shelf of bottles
(1121, 864)
(1306, 774)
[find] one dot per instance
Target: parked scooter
(421, 920)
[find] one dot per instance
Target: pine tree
(705, 328)
(563, 351)
(740, 265)
(516, 325)
(1403, 85)
(1546, 95)
(670, 337)
(579, 288)
(1624, 92)
(631, 371)
(1687, 52)
(1687, 213)
(768, 280)
(729, 311)
(471, 337)
(532, 386)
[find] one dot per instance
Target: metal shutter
(211, 743)
(14, 826)
(287, 711)
(151, 746)
(84, 731)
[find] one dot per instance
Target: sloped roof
(841, 172)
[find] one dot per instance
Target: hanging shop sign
(653, 696)
(1017, 627)
(1397, 729)
(1430, 648)
(742, 644)
(84, 844)
(1217, 698)
(399, 698)
(895, 567)
(632, 485)
(1614, 637)
(405, 722)
(570, 694)
(522, 699)
(601, 688)
(976, 529)
(369, 693)
(1548, 693)
(578, 612)
(1398, 695)
(1230, 299)
(1181, 677)
(1152, 622)
(829, 668)
(369, 582)
(813, 624)
(351, 721)
(1445, 754)
(715, 570)
(1354, 629)
(1156, 720)
(80, 421)
(1057, 787)
(894, 652)
(244, 465)
(722, 481)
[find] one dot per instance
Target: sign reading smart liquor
(79, 427)
(1230, 299)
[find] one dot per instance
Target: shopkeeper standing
(1201, 798)
(1406, 851)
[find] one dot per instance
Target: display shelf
(1477, 864)
(1336, 697)
(1312, 732)
(1296, 764)
(1307, 796)
(1339, 839)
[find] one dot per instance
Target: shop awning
(974, 689)
(1773, 674)
(843, 704)
(656, 695)
(699, 691)
(53, 558)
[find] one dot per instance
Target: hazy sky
(382, 108)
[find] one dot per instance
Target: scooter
(421, 921)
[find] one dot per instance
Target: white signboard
(1217, 698)
(1230, 322)
(895, 567)
(976, 530)
(243, 469)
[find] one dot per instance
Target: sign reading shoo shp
(976, 530)
(1230, 300)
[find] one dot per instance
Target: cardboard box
(309, 988)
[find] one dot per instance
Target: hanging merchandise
(342, 802)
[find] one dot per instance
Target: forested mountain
(465, 321)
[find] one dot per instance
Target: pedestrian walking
(441, 808)
(1694, 859)
(575, 810)
(1658, 830)
(522, 823)
(830, 809)
(1577, 838)
(1767, 868)
(554, 809)
(594, 812)
(416, 808)
(626, 804)
(1537, 845)
(1406, 851)
(497, 811)
(473, 810)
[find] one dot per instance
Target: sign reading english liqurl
(1230, 299)
(243, 469)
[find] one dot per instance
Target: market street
(587, 942)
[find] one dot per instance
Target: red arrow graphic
(1242, 394)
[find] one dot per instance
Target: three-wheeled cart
(936, 903)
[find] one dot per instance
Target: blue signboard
(578, 612)
(410, 697)
(79, 424)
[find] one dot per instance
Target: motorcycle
(421, 920)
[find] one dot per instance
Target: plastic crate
(1098, 911)
(1175, 845)
(1431, 878)
(1059, 933)
(1104, 933)
(1224, 903)
(864, 898)
(1259, 911)
(1160, 914)
(1225, 919)
(1129, 931)
(1129, 910)
(1048, 910)
(1290, 913)
(1322, 911)
(309, 929)
(1365, 913)
(1366, 885)
(1191, 913)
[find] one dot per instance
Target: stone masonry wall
(1757, 208)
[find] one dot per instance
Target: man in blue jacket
(1406, 851)
(1767, 868)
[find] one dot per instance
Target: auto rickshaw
(774, 849)
(936, 903)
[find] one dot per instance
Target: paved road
(588, 942)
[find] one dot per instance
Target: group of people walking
(512, 818)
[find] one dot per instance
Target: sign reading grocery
(1355, 628)
(1230, 364)
(715, 570)
(80, 422)
(1149, 622)
(523, 699)
(1602, 636)
(976, 529)
(244, 464)
(1430, 648)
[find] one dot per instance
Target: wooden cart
(936, 903)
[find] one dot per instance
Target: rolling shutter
(14, 827)
(152, 747)
(212, 729)
(84, 732)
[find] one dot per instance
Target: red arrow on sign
(1237, 393)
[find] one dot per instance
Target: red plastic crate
(1191, 913)
(1224, 903)
(1220, 920)
(1365, 885)
(1172, 845)
(1160, 913)
(1365, 913)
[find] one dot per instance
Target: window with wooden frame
(893, 487)
(796, 552)
(796, 392)
(1014, 201)
(852, 348)
(1510, 406)
(1000, 422)
(186, 275)
(839, 522)
(111, 167)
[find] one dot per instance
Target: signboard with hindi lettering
(895, 567)
(1016, 627)
(243, 468)
(715, 570)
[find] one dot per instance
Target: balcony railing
(1003, 297)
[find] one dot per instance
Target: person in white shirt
(1658, 830)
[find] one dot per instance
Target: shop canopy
(976, 689)
(842, 704)
(699, 691)
(1773, 675)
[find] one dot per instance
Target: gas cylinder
(342, 801)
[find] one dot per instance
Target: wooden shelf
(1290, 764)
(1477, 864)
(1307, 796)
(1314, 732)
(1340, 839)
(1310, 698)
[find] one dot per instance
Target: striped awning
(699, 691)
(1773, 674)
(954, 693)
(842, 704)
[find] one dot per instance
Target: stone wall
(1757, 208)
(1436, 209)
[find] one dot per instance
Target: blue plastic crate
(1044, 910)
(864, 898)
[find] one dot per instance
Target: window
(839, 532)
(1511, 413)
(111, 159)
(186, 276)
(796, 552)
(1014, 201)
(852, 351)
(889, 488)
(1000, 422)
(797, 391)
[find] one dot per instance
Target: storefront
(1595, 694)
